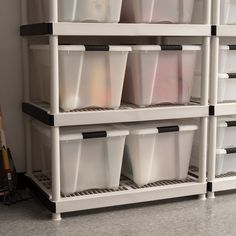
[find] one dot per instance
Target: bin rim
(81, 48)
(159, 48)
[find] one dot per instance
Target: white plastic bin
(157, 151)
(227, 76)
(198, 12)
(228, 9)
(226, 138)
(40, 151)
(90, 76)
(160, 74)
(227, 87)
(227, 14)
(227, 59)
(102, 11)
(225, 161)
(157, 11)
(91, 157)
(226, 133)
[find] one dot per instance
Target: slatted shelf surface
(125, 184)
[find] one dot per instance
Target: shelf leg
(202, 197)
(213, 98)
(56, 183)
(56, 216)
(212, 152)
(211, 195)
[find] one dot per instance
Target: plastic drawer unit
(226, 134)
(227, 76)
(91, 157)
(90, 76)
(157, 11)
(158, 151)
(225, 161)
(226, 138)
(160, 74)
(102, 11)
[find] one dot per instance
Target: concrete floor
(190, 217)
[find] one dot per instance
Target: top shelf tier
(115, 29)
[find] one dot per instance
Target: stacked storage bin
(157, 11)
(90, 76)
(226, 146)
(102, 11)
(149, 80)
(91, 157)
(96, 76)
(158, 151)
(226, 128)
(227, 74)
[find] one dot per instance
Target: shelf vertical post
(54, 101)
(26, 88)
(204, 97)
(213, 96)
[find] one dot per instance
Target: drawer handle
(231, 123)
(232, 47)
(168, 129)
(232, 75)
(97, 48)
(171, 47)
(230, 150)
(91, 135)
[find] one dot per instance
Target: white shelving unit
(48, 190)
(227, 181)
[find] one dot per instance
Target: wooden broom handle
(6, 163)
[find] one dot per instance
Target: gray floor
(183, 217)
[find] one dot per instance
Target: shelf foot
(56, 216)
(202, 197)
(211, 195)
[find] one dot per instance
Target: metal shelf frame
(217, 109)
(55, 118)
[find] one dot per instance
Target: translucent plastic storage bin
(228, 9)
(225, 161)
(226, 138)
(227, 59)
(158, 151)
(226, 133)
(227, 76)
(227, 14)
(90, 76)
(157, 11)
(198, 12)
(227, 87)
(91, 157)
(104, 11)
(160, 74)
(41, 160)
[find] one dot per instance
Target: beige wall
(11, 78)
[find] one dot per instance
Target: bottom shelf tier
(221, 182)
(127, 193)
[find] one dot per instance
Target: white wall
(11, 78)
